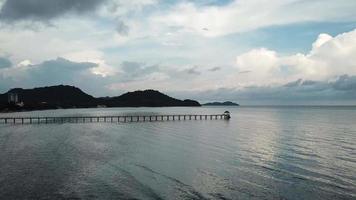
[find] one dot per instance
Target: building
(12, 98)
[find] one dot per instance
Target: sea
(262, 152)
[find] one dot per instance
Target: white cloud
(24, 63)
(93, 56)
(261, 63)
(175, 31)
(246, 15)
(68, 35)
(329, 57)
(322, 39)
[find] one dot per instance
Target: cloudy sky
(250, 51)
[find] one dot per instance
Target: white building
(13, 98)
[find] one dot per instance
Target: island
(226, 103)
(64, 96)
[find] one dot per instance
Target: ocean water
(261, 153)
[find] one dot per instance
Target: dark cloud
(294, 83)
(340, 91)
(5, 63)
(122, 28)
(59, 71)
(244, 72)
(63, 71)
(131, 67)
(136, 70)
(308, 82)
(343, 88)
(44, 10)
(214, 69)
(345, 83)
(133, 71)
(192, 71)
(56, 72)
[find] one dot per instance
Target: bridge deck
(108, 119)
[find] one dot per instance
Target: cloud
(214, 69)
(58, 71)
(345, 83)
(137, 69)
(44, 10)
(5, 63)
(52, 72)
(261, 65)
(244, 72)
(341, 90)
(322, 39)
(131, 67)
(192, 71)
(265, 73)
(137, 75)
(122, 28)
(329, 57)
(173, 37)
(81, 74)
(60, 66)
(246, 15)
(119, 8)
(294, 83)
(155, 80)
(326, 74)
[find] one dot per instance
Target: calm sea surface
(261, 153)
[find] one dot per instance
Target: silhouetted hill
(71, 97)
(3, 101)
(226, 103)
(61, 96)
(146, 98)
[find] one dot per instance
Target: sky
(248, 51)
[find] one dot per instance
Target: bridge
(110, 119)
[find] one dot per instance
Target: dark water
(261, 153)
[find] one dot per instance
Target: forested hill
(63, 96)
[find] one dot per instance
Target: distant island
(226, 103)
(63, 96)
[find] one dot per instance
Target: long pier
(109, 119)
